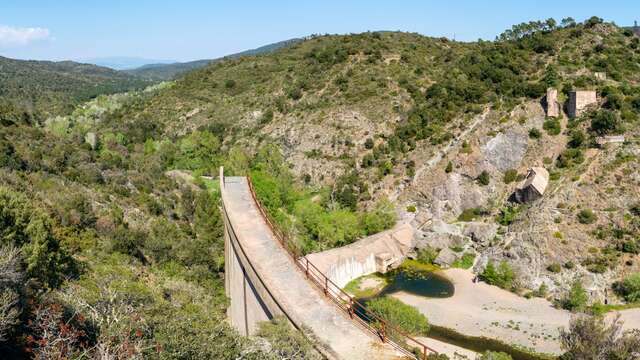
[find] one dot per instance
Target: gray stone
(553, 109)
(505, 151)
(92, 139)
(480, 232)
(446, 257)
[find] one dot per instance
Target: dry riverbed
(481, 310)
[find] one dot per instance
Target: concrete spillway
(263, 281)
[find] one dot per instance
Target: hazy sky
(195, 29)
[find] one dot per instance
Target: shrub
(629, 288)
(510, 176)
(368, 144)
(501, 276)
(411, 208)
(405, 317)
(470, 214)
(576, 299)
(427, 255)
(587, 216)
(492, 355)
(552, 126)
(266, 117)
(286, 342)
(554, 268)
(30, 229)
(534, 133)
(465, 262)
(508, 215)
(230, 84)
(449, 167)
(605, 122)
(484, 178)
(590, 337)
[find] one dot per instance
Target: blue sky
(195, 29)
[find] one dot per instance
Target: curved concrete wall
(263, 281)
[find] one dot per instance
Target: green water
(421, 283)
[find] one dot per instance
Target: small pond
(421, 283)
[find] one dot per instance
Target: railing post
(351, 307)
(424, 352)
(221, 178)
(306, 271)
(326, 285)
(382, 331)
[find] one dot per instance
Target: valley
(508, 170)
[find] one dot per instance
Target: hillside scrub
(405, 317)
(501, 275)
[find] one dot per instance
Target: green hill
(171, 71)
(112, 240)
(43, 88)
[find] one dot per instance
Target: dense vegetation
(31, 90)
(107, 248)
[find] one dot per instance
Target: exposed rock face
(553, 109)
(446, 257)
(506, 150)
(480, 232)
(579, 100)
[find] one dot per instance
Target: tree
(591, 338)
(576, 299)
(629, 288)
(10, 283)
(30, 229)
(605, 122)
(568, 22)
(286, 342)
(501, 276)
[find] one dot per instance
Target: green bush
(508, 215)
(405, 317)
(465, 262)
(449, 167)
(501, 276)
(587, 216)
(411, 208)
(29, 229)
(471, 214)
(535, 133)
(629, 288)
(427, 255)
(576, 299)
(605, 122)
(510, 176)
(552, 126)
(492, 355)
(554, 268)
(484, 178)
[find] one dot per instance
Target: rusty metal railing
(358, 312)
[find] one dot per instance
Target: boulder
(92, 139)
(446, 257)
(480, 232)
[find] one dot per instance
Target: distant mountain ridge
(124, 62)
(159, 71)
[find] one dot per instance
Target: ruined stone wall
(579, 100)
(553, 109)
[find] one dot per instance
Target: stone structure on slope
(533, 186)
(579, 100)
(377, 253)
(553, 109)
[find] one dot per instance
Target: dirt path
(478, 309)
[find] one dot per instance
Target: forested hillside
(38, 89)
(111, 240)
